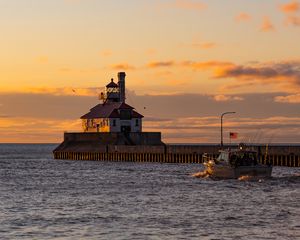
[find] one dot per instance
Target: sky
(186, 61)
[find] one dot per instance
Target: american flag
(233, 135)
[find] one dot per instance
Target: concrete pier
(148, 147)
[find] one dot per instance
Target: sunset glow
(186, 61)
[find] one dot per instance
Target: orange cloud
(267, 25)
(290, 10)
(242, 17)
(293, 20)
(206, 65)
(122, 66)
(225, 98)
(65, 91)
(160, 64)
(285, 74)
(33, 130)
(291, 7)
(272, 70)
(52, 115)
(183, 129)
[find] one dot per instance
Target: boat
(237, 163)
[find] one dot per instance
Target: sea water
(43, 198)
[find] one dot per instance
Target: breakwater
(148, 147)
(276, 160)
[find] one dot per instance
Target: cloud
(285, 74)
(158, 119)
(206, 129)
(46, 106)
(204, 45)
(263, 71)
(66, 91)
(294, 98)
(122, 66)
(290, 7)
(4, 116)
(293, 20)
(290, 10)
(160, 64)
(35, 130)
(243, 17)
(225, 98)
(206, 65)
(181, 117)
(278, 129)
(267, 25)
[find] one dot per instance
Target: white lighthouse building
(113, 114)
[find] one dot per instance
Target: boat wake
(202, 174)
(250, 178)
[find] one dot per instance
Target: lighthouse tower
(113, 114)
(112, 92)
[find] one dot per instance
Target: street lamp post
(222, 125)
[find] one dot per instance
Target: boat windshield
(223, 156)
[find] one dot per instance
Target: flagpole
(222, 115)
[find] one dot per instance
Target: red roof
(136, 115)
(109, 110)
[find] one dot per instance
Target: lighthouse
(113, 114)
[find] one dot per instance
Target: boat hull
(228, 172)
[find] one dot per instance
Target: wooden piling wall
(275, 160)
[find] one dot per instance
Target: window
(90, 123)
(114, 122)
(136, 122)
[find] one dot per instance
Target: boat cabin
(238, 157)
